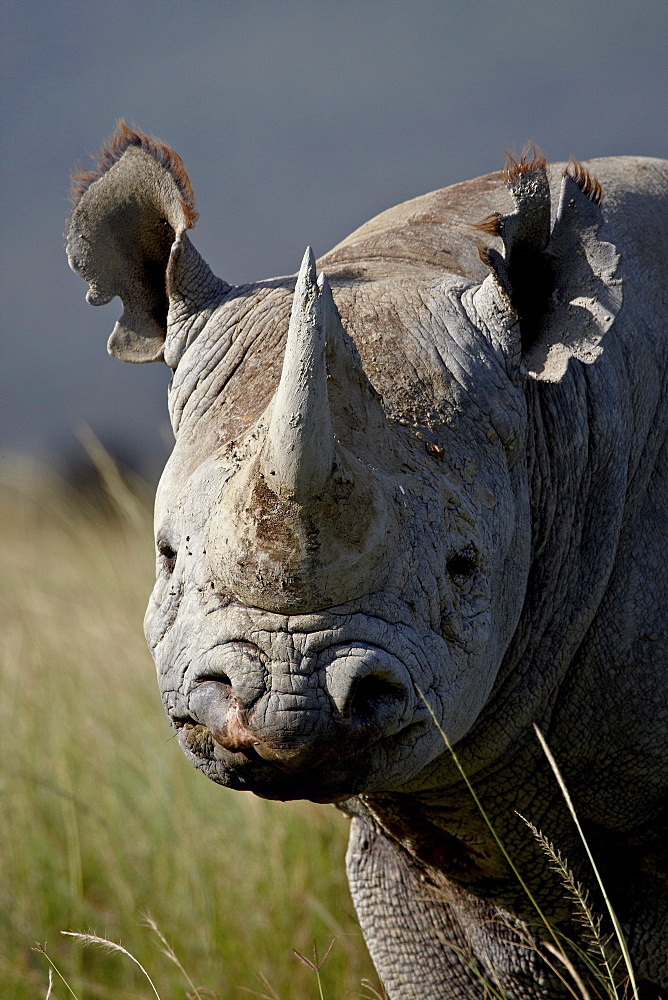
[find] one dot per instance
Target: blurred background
(298, 120)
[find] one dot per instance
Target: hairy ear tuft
(128, 217)
(485, 254)
(557, 276)
(529, 162)
(491, 224)
(584, 180)
(111, 152)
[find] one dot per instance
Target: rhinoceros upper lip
(235, 738)
(206, 743)
(241, 749)
(247, 770)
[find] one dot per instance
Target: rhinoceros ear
(556, 283)
(127, 215)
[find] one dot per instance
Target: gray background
(297, 121)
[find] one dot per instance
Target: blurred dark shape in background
(94, 470)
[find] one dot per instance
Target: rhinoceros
(417, 506)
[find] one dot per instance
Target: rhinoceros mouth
(246, 770)
(315, 707)
(331, 780)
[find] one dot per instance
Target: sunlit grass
(103, 819)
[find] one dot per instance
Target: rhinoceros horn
(308, 521)
(300, 451)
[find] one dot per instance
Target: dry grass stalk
(41, 950)
(596, 944)
(619, 934)
(169, 953)
(111, 946)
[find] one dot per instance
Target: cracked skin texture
(522, 578)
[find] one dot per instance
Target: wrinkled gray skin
(438, 512)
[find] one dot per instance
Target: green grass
(103, 819)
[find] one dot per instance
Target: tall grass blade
(41, 950)
(561, 957)
(119, 493)
(619, 934)
(272, 995)
(490, 825)
(169, 953)
(367, 985)
(315, 965)
(598, 957)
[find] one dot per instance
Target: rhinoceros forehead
(232, 368)
(229, 373)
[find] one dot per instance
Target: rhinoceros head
(342, 530)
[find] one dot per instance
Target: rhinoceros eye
(463, 563)
(167, 553)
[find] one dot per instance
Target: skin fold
(417, 500)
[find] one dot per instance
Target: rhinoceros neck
(194, 293)
(593, 476)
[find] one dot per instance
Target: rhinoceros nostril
(210, 700)
(375, 702)
(210, 694)
(216, 679)
(213, 704)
